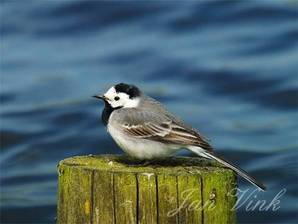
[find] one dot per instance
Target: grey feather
(151, 120)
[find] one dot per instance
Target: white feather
(124, 99)
(141, 148)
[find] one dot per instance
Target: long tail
(210, 155)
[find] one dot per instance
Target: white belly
(141, 148)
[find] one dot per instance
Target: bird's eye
(116, 98)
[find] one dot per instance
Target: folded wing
(165, 130)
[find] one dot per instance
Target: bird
(144, 129)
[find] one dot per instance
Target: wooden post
(113, 189)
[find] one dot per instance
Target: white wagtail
(145, 129)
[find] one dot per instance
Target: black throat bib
(106, 113)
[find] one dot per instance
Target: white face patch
(120, 99)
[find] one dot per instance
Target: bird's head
(121, 95)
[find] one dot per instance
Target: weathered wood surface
(115, 189)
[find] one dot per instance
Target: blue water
(230, 68)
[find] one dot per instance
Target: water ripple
(228, 68)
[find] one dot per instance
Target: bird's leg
(138, 163)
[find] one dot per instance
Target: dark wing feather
(168, 132)
(181, 135)
(146, 130)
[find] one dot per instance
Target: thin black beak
(100, 97)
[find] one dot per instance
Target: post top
(122, 163)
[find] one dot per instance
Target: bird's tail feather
(210, 155)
